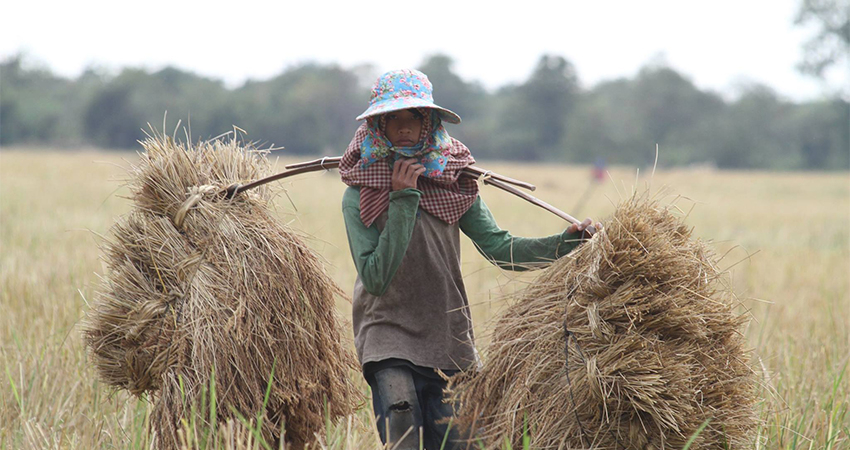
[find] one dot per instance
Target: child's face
(403, 127)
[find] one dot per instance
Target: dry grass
(214, 308)
(630, 341)
(52, 206)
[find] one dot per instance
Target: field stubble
(786, 237)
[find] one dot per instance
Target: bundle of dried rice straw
(203, 292)
(630, 342)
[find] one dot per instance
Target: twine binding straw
(196, 193)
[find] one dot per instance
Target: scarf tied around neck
(369, 158)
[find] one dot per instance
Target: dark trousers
(406, 402)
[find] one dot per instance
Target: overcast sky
(721, 45)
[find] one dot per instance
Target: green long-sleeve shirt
(378, 253)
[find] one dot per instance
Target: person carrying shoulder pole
(404, 209)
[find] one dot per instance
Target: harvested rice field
(784, 239)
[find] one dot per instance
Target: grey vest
(423, 316)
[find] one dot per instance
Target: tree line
(310, 109)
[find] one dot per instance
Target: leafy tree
(307, 109)
(112, 121)
(118, 113)
(35, 105)
(468, 99)
(823, 134)
(533, 116)
(831, 45)
(603, 125)
(753, 133)
(450, 90)
(669, 101)
(623, 120)
(311, 109)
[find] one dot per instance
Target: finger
(410, 166)
(572, 228)
(414, 170)
(400, 165)
(415, 174)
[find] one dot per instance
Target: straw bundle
(204, 293)
(630, 342)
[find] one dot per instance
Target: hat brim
(407, 103)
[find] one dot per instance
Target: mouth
(405, 143)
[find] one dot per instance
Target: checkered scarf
(447, 197)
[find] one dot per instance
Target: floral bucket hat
(403, 89)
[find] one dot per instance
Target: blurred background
(758, 84)
(746, 101)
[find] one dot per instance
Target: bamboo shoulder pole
(332, 162)
(486, 176)
(532, 199)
